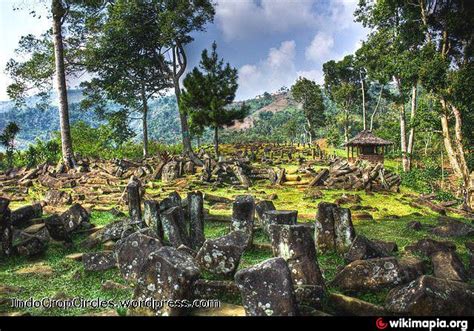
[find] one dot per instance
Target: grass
(70, 280)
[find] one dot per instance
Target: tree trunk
(216, 141)
(310, 131)
(364, 113)
(448, 145)
(372, 117)
(66, 141)
(144, 122)
(403, 138)
(411, 137)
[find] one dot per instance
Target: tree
(127, 61)
(394, 48)
(208, 91)
(179, 19)
(342, 81)
(48, 57)
(7, 139)
(309, 94)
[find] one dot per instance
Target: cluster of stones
(357, 176)
(26, 232)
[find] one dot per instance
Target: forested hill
(163, 118)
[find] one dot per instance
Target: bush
(422, 180)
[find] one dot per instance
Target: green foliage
(310, 95)
(209, 90)
(422, 180)
(7, 139)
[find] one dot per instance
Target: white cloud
(273, 72)
(315, 75)
(320, 48)
(242, 19)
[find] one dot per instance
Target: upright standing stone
(333, 228)
(288, 217)
(151, 217)
(343, 229)
(324, 235)
(5, 229)
(267, 289)
(168, 274)
(295, 244)
(196, 219)
(172, 200)
(134, 207)
(174, 226)
(243, 213)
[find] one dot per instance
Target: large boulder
(221, 256)
(21, 217)
(6, 231)
(431, 296)
(448, 265)
(132, 252)
(99, 261)
(267, 289)
(430, 246)
(372, 275)
(295, 244)
(243, 213)
(174, 226)
(333, 228)
(168, 274)
(470, 252)
(346, 305)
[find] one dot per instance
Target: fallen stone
(99, 261)
(32, 229)
(450, 227)
(132, 253)
(21, 217)
(30, 246)
(134, 202)
(363, 248)
(57, 198)
(187, 250)
(37, 269)
(362, 216)
(262, 207)
(74, 217)
(414, 225)
(371, 275)
(222, 255)
(168, 274)
(346, 305)
(429, 246)
(75, 256)
(281, 217)
(267, 289)
(348, 198)
(431, 296)
(448, 265)
(224, 309)
(112, 231)
(9, 290)
(212, 289)
(170, 172)
(57, 229)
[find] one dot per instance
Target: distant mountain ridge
(164, 125)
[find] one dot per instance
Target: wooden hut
(367, 146)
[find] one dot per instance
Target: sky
(270, 42)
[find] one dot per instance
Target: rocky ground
(268, 230)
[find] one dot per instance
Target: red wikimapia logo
(380, 324)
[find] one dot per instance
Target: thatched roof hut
(368, 147)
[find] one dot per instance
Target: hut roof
(367, 138)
